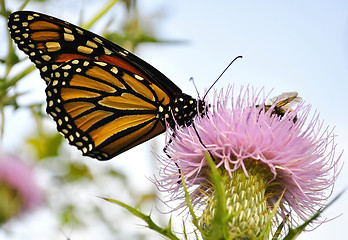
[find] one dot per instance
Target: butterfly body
(104, 99)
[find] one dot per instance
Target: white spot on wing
(138, 77)
(91, 44)
(98, 40)
(66, 67)
(114, 70)
(79, 31)
(53, 46)
(107, 51)
(122, 53)
(46, 57)
(84, 150)
(83, 49)
(69, 37)
(103, 64)
(67, 30)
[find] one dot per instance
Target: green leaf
(294, 233)
(68, 215)
(146, 218)
(190, 206)
(280, 229)
(77, 171)
(117, 174)
(46, 145)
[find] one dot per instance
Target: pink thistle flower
(292, 148)
(19, 190)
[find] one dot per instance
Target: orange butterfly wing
(104, 99)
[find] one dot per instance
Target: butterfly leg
(165, 151)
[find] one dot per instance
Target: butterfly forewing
(49, 42)
(103, 98)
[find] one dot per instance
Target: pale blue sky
(287, 46)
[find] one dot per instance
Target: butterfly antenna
(193, 81)
(221, 75)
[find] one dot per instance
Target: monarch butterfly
(104, 99)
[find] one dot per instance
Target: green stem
(19, 76)
(189, 204)
(24, 4)
(2, 122)
(107, 7)
(10, 46)
(3, 8)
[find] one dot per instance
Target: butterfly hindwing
(101, 110)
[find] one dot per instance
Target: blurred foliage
(45, 144)
(63, 173)
(133, 33)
